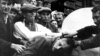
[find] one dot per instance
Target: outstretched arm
(90, 42)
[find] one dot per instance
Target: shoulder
(19, 23)
(38, 25)
(42, 28)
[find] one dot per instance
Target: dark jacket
(6, 38)
(90, 41)
(87, 32)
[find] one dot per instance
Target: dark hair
(95, 9)
(19, 17)
(15, 10)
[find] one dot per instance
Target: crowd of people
(32, 29)
(22, 23)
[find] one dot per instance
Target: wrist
(12, 45)
(77, 43)
(60, 34)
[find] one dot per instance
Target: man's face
(60, 44)
(96, 18)
(5, 6)
(59, 17)
(45, 16)
(30, 16)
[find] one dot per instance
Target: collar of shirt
(5, 19)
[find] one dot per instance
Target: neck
(27, 22)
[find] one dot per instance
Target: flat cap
(29, 7)
(44, 9)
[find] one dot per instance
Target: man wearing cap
(29, 26)
(45, 18)
(91, 41)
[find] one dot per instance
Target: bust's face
(60, 44)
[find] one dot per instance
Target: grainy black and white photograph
(49, 27)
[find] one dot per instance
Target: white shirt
(22, 31)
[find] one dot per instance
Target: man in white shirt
(41, 41)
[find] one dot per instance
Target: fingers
(17, 47)
(20, 48)
(23, 47)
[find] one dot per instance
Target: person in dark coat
(93, 40)
(7, 41)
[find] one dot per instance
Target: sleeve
(25, 32)
(38, 47)
(90, 42)
(4, 43)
